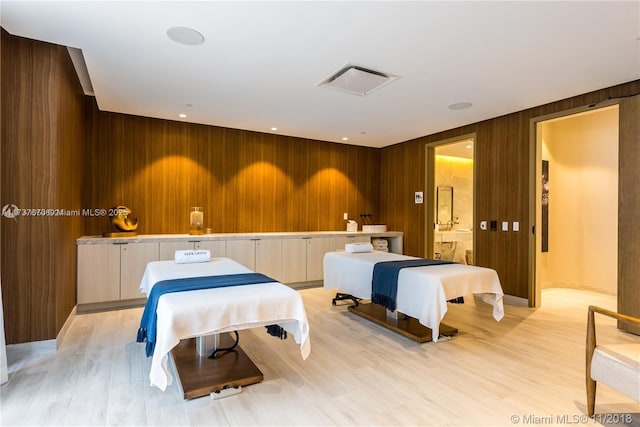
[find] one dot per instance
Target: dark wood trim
(200, 376)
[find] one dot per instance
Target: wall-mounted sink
(460, 235)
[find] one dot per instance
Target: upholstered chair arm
(591, 346)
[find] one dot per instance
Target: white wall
(583, 201)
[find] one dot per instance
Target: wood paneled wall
(245, 181)
(629, 212)
(42, 137)
(59, 151)
(502, 154)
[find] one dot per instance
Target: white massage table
(423, 292)
(189, 314)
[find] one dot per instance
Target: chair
(617, 365)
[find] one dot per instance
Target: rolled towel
(353, 248)
(380, 243)
(190, 256)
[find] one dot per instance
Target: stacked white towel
(381, 245)
(354, 248)
(190, 256)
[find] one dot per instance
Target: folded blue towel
(149, 320)
(384, 285)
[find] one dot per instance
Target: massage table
(423, 292)
(182, 316)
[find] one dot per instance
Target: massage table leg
(341, 297)
(199, 375)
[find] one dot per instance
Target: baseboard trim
(65, 327)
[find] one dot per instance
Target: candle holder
(196, 221)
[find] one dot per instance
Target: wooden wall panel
(245, 181)
(629, 211)
(42, 133)
(502, 185)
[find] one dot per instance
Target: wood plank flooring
(530, 365)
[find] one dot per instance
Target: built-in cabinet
(110, 270)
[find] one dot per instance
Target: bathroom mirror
(444, 204)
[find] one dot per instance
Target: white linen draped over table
(189, 314)
(4, 371)
(423, 292)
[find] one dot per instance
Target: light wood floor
(526, 369)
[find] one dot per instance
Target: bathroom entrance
(577, 202)
(450, 181)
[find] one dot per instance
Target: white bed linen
(423, 292)
(189, 314)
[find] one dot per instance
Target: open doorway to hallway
(577, 208)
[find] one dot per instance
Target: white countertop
(89, 240)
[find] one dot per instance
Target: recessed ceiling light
(274, 128)
(182, 115)
(344, 138)
(460, 106)
(185, 35)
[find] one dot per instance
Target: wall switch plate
(505, 225)
(346, 216)
(494, 225)
(483, 225)
(516, 226)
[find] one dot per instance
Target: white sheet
(183, 315)
(423, 292)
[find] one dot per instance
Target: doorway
(450, 188)
(576, 239)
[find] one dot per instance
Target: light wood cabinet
(316, 248)
(302, 258)
(269, 258)
(112, 271)
(243, 251)
(134, 258)
(218, 248)
(294, 260)
(98, 273)
(260, 255)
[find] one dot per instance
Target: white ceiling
(261, 61)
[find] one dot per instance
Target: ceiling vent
(357, 80)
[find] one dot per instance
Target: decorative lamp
(196, 221)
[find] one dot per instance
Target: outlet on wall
(346, 216)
